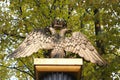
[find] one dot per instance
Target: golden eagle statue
(58, 43)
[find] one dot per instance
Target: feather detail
(83, 48)
(37, 39)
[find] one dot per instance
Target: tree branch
(27, 67)
(16, 68)
(10, 34)
(98, 31)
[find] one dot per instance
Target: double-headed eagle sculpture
(50, 39)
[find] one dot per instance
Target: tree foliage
(98, 19)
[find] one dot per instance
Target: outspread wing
(79, 44)
(37, 39)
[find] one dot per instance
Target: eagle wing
(37, 39)
(80, 45)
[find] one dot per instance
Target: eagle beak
(58, 26)
(68, 31)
